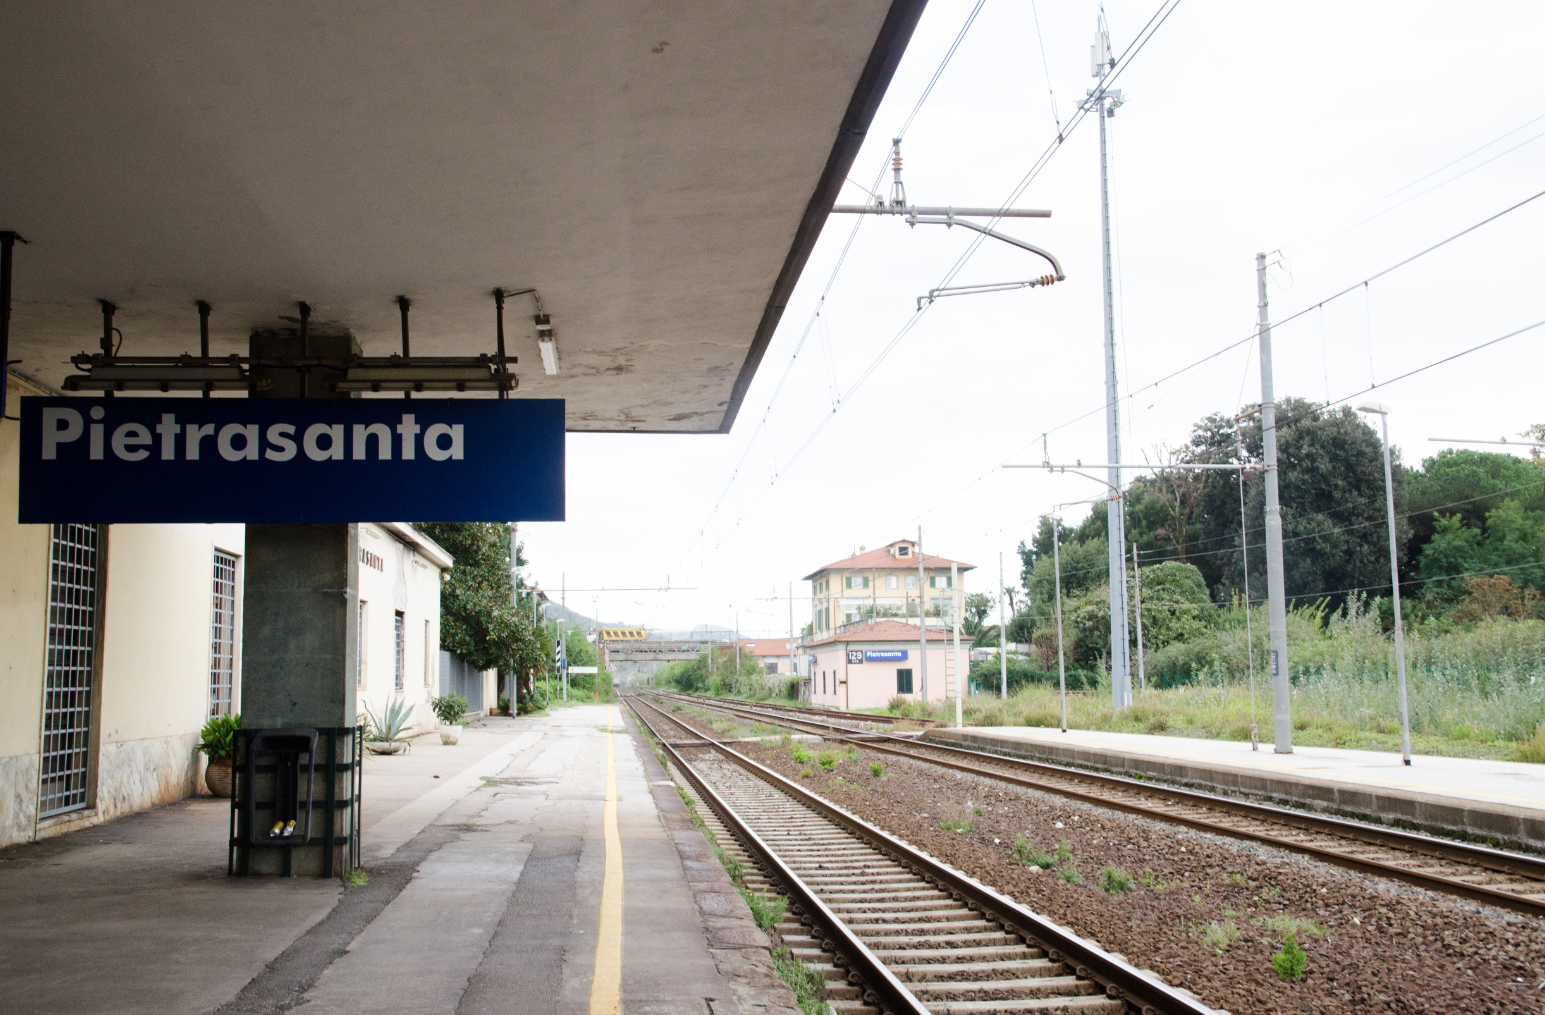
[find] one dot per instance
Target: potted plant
(383, 733)
(449, 708)
(218, 741)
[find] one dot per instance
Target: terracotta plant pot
(450, 734)
(218, 776)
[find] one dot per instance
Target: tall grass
(1475, 692)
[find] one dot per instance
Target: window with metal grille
(70, 669)
(401, 638)
(222, 636)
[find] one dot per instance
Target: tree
(1331, 479)
(1176, 606)
(478, 622)
(1179, 492)
(978, 605)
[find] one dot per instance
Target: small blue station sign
(290, 460)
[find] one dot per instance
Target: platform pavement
(1501, 800)
(489, 901)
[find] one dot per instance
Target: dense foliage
(478, 622)
(1470, 536)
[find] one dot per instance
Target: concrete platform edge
(1497, 825)
(741, 951)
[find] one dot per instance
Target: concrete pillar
(300, 613)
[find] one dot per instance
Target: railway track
(1510, 880)
(889, 927)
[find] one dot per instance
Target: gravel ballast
(1370, 944)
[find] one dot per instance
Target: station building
(866, 664)
(884, 582)
(118, 642)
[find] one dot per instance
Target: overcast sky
(1248, 127)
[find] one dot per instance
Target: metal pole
(1003, 659)
(403, 303)
(7, 248)
(1137, 588)
(793, 659)
(1056, 567)
(563, 634)
(1120, 663)
(960, 685)
(203, 338)
(737, 645)
(1394, 578)
(1244, 543)
(1276, 596)
(922, 621)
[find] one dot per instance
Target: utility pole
(960, 680)
(1137, 588)
(793, 659)
(563, 633)
(1056, 570)
(1003, 659)
(737, 644)
(1106, 103)
(922, 621)
(1276, 595)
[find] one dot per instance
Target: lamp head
(1375, 407)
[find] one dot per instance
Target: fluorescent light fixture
(1378, 407)
(547, 342)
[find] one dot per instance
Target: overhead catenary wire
(831, 281)
(1154, 23)
(1250, 337)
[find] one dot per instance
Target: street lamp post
(1394, 577)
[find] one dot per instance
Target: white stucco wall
(394, 576)
(153, 688)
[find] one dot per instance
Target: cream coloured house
(885, 582)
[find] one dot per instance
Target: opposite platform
(1501, 801)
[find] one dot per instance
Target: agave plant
(388, 726)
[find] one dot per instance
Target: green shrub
(805, 773)
(1219, 935)
(1064, 851)
(827, 760)
(1291, 961)
(1031, 855)
(800, 755)
(808, 985)
(390, 724)
(876, 769)
(765, 911)
(1294, 925)
(1114, 880)
(1532, 749)
(449, 708)
(1238, 881)
(851, 754)
(1070, 873)
(218, 738)
(959, 826)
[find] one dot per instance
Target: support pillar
(300, 620)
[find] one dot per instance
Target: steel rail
(1119, 978)
(1485, 858)
(882, 988)
(797, 710)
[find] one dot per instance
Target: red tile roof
(766, 646)
(881, 560)
(888, 630)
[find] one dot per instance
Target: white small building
(400, 572)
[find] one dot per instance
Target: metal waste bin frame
(329, 765)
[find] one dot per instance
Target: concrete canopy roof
(658, 172)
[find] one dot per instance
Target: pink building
(867, 665)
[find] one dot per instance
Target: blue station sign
(291, 460)
(885, 655)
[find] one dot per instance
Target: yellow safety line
(606, 984)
